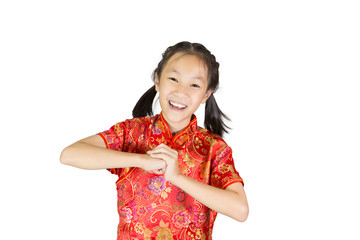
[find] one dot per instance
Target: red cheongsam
(152, 208)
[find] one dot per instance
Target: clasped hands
(163, 160)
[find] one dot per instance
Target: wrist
(131, 159)
(138, 160)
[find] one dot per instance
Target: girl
(173, 175)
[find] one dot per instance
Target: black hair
(214, 117)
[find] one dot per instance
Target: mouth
(177, 106)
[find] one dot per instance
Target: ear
(157, 82)
(207, 95)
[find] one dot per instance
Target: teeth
(178, 105)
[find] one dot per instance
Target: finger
(162, 156)
(165, 155)
(157, 149)
(163, 146)
(161, 151)
(166, 150)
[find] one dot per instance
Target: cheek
(200, 95)
(163, 97)
(165, 92)
(196, 100)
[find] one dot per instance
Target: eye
(173, 79)
(195, 85)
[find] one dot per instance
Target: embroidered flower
(192, 209)
(181, 196)
(139, 228)
(147, 234)
(141, 193)
(120, 191)
(156, 184)
(201, 218)
(131, 204)
(156, 129)
(200, 235)
(164, 234)
(141, 137)
(150, 208)
(141, 211)
(125, 214)
(181, 219)
(221, 154)
(224, 168)
(195, 234)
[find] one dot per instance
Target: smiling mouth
(177, 106)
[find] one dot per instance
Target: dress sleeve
(223, 171)
(114, 139)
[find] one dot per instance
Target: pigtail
(144, 106)
(214, 117)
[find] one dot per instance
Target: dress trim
(106, 143)
(192, 122)
(126, 175)
(234, 181)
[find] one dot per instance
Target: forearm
(87, 156)
(227, 202)
(230, 201)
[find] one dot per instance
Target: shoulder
(214, 141)
(138, 122)
(132, 125)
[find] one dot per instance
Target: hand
(170, 156)
(153, 165)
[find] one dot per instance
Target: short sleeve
(114, 139)
(223, 171)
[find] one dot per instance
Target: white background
(289, 81)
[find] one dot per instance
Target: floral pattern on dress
(126, 214)
(156, 184)
(181, 219)
(181, 196)
(164, 234)
(152, 208)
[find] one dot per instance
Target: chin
(177, 118)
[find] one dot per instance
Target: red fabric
(152, 208)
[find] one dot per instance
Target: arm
(230, 201)
(91, 153)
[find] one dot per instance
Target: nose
(181, 90)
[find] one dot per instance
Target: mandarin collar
(182, 136)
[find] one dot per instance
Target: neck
(174, 133)
(176, 128)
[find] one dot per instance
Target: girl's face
(182, 88)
